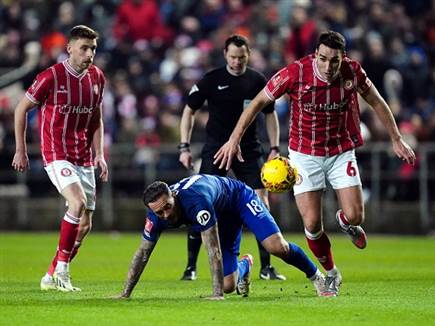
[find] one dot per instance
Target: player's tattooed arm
(140, 259)
(210, 239)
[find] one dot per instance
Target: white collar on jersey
(72, 71)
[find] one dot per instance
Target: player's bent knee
(276, 245)
(355, 216)
(85, 228)
(77, 205)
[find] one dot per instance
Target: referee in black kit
(228, 90)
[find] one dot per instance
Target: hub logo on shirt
(203, 217)
(67, 109)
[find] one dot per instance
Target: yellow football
(278, 174)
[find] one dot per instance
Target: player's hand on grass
(122, 296)
(214, 297)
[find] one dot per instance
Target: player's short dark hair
(82, 31)
(333, 40)
(154, 191)
(237, 40)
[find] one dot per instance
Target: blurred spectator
(140, 20)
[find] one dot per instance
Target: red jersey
(324, 116)
(68, 105)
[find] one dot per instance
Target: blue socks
(243, 268)
(300, 260)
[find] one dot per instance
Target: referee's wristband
(274, 148)
(184, 147)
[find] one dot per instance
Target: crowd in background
(152, 52)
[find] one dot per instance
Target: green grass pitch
(391, 282)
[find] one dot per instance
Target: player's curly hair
(154, 191)
(333, 40)
(82, 31)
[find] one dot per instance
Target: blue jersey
(206, 199)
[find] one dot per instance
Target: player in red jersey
(68, 96)
(324, 131)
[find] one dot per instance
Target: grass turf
(391, 282)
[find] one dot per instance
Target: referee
(228, 90)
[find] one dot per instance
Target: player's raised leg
(351, 215)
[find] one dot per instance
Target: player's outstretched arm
(400, 147)
(225, 155)
(20, 161)
(140, 260)
(210, 239)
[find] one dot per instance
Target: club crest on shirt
(65, 172)
(95, 89)
(348, 84)
(203, 217)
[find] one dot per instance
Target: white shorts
(64, 173)
(340, 170)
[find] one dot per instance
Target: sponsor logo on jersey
(311, 107)
(221, 87)
(203, 217)
(148, 227)
(62, 89)
(348, 84)
(68, 109)
(65, 172)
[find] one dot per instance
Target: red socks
(321, 248)
(68, 234)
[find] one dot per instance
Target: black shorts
(248, 171)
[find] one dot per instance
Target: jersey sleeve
(198, 94)
(152, 229)
(271, 107)
(278, 84)
(202, 215)
(41, 87)
(363, 82)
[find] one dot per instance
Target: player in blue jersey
(217, 207)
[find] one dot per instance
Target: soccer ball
(278, 174)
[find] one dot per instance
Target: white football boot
(47, 283)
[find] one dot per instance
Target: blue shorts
(253, 214)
